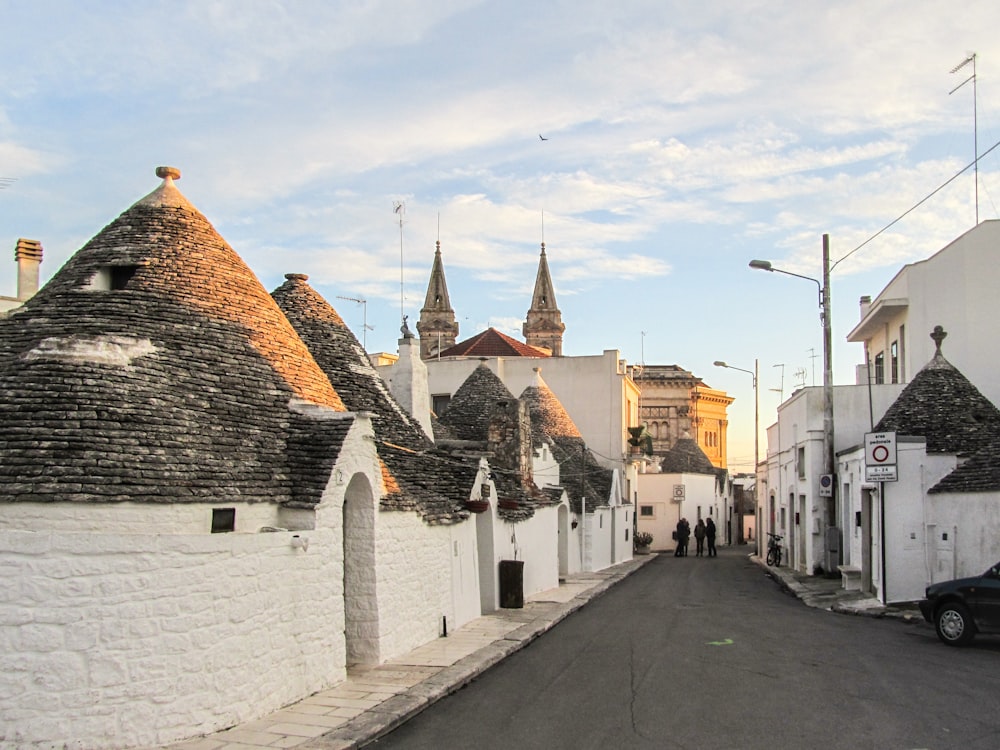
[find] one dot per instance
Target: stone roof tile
(154, 367)
(434, 488)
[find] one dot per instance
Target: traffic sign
(880, 457)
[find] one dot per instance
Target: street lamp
(756, 433)
(824, 317)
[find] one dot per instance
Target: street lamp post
(756, 436)
(824, 316)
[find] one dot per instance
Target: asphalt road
(702, 653)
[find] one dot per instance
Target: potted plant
(641, 542)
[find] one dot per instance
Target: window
(112, 278)
(646, 511)
(880, 368)
(223, 520)
(894, 361)
(800, 461)
(440, 402)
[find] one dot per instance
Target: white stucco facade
(927, 537)
(954, 288)
(669, 497)
(789, 499)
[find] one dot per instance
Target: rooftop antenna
(399, 208)
(971, 58)
(812, 355)
(800, 377)
(780, 391)
(364, 318)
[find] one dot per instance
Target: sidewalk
(828, 593)
(373, 701)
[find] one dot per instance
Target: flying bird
(541, 137)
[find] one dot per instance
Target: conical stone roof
(580, 474)
(942, 406)
(154, 367)
(414, 479)
(686, 457)
(468, 413)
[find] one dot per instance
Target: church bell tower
(544, 327)
(437, 326)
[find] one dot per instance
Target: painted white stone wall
(536, 542)
(115, 640)
(971, 522)
(415, 587)
(121, 628)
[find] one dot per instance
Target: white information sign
(880, 457)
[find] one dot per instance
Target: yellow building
(675, 404)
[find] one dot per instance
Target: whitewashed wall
(118, 640)
(415, 580)
(536, 542)
(972, 522)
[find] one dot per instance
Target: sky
(682, 140)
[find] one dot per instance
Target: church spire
(437, 326)
(544, 326)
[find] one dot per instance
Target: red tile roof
(492, 343)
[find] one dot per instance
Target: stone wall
(117, 640)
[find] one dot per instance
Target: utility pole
(828, 447)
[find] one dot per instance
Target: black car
(961, 608)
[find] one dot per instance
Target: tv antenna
(971, 58)
(364, 318)
(781, 390)
(800, 377)
(399, 208)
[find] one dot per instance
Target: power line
(918, 204)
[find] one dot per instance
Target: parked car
(961, 608)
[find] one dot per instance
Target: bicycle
(774, 549)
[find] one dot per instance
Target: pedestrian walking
(699, 538)
(710, 537)
(679, 538)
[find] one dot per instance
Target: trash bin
(512, 584)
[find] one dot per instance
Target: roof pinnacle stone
(168, 173)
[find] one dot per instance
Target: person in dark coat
(710, 536)
(683, 534)
(699, 538)
(679, 537)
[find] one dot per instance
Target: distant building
(674, 404)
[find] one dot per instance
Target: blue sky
(684, 140)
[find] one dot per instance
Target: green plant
(643, 539)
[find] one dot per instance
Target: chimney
(866, 304)
(28, 255)
(408, 381)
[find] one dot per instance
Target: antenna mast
(399, 208)
(975, 118)
(364, 318)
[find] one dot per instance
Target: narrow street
(710, 653)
